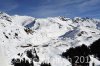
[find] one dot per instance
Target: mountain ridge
(50, 36)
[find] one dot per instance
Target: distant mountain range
(41, 41)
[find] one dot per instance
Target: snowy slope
(48, 36)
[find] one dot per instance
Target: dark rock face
(78, 55)
(31, 54)
(45, 64)
(28, 30)
(21, 62)
(95, 49)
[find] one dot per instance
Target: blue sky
(52, 8)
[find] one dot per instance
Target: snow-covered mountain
(45, 38)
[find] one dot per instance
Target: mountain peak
(5, 16)
(44, 39)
